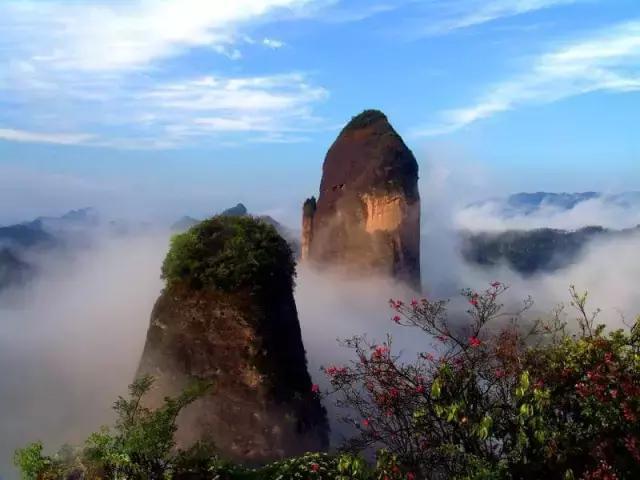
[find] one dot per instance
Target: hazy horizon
(183, 107)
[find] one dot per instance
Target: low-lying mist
(597, 211)
(70, 341)
(332, 308)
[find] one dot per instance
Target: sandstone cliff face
(247, 341)
(367, 217)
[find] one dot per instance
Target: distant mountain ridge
(43, 234)
(526, 203)
(533, 251)
(13, 270)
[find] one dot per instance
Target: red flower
(365, 422)
(396, 319)
(315, 388)
(420, 389)
(395, 304)
(380, 351)
(315, 467)
(411, 476)
(332, 371)
(474, 342)
(495, 284)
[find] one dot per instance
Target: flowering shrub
(492, 398)
(498, 399)
(142, 447)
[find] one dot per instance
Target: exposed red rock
(243, 337)
(367, 218)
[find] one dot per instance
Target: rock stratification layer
(367, 217)
(228, 316)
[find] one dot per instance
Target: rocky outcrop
(308, 212)
(228, 316)
(236, 211)
(367, 217)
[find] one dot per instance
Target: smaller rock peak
(238, 211)
(309, 207)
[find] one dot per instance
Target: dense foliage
(499, 399)
(230, 253)
(141, 447)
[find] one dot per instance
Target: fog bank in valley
(71, 340)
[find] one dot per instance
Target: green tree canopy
(230, 254)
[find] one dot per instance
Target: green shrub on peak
(229, 254)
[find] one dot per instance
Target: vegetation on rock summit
(230, 254)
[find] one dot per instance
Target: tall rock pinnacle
(228, 316)
(367, 217)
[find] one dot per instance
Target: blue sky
(187, 106)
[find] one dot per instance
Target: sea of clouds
(70, 340)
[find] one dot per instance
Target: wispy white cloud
(607, 61)
(272, 43)
(459, 14)
(602, 211)
(428, 17)
(101, 67)
(10, 134)
(108, 36)
(249, 94)
(275, 106)
(159, 115)
(334, 11)
(231, 53)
